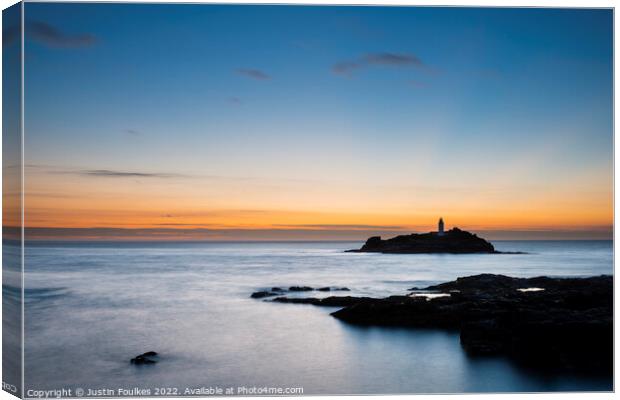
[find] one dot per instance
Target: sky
(298, 122)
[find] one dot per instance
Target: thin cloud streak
(340, 226)
(50, 36)
(377, 59)
(93, 172)
(346, 67)
(107, 173)
(392, 59)
(254, 74)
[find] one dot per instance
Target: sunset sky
(266, 122)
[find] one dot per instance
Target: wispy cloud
(347, 67)
(126, 174)
(107, 173)
(132, 132)
(254, 74)
(51, 36)
(103, 172)
(234, 100)
(341, 226)
(392, 59)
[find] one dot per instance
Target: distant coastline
(278, 235)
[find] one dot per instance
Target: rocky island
(454, 241)
(542, 322)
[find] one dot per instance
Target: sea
(92, 306)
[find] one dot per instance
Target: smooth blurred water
(90, 307)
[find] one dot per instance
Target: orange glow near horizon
(67, 201)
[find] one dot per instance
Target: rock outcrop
(454, 241)
(150, 357)
(543, 322)
(331, 301)
(276, 291)
(550, 323)
(263, 293)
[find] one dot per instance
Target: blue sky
(439, 98)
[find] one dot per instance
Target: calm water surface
(91, 307)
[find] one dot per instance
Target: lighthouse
(440, 227)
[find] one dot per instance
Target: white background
(546, 3)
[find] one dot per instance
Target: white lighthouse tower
(440, 227)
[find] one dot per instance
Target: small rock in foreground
(145, 358)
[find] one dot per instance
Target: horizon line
(249, 234)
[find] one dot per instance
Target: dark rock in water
(542, 322)
(300, 289)
(297, 300)
(263, 293)
(453, 241)
(557, 323)
(140, 360)
(276, 291)
(332, 301)
(329, 288)
(145, 358)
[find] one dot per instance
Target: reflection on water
(105, 303)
